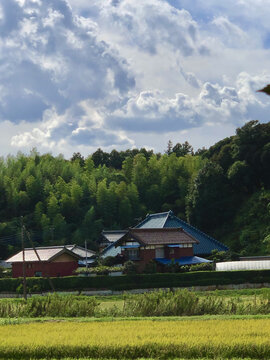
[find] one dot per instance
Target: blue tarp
(130, 246)
(185, 260)
(175, 246)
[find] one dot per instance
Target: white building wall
(113, 251)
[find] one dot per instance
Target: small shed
(53, 261)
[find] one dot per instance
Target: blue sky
(76, 75)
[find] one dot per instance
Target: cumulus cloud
(118, 73)
(51, 58)
(148, 24)
(153, 112)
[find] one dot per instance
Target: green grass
(180, 302)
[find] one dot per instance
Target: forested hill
(225, 191)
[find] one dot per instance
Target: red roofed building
(51, 261)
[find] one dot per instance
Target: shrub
(110, 260)
(129, 268)
(98, 270)
(174, 267)
(151, 267)
(142, 281)
(201, 267)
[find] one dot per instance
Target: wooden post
(23, 258)
(39, 259)
(86, 264)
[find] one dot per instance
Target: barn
(53, 261)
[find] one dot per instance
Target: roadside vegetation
(157, 303)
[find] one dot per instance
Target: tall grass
(184, 302)
(158, 303)
(51, 306)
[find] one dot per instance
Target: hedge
(139, 281)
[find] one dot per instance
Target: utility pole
(23, 258)
(85, 244)
(52, 233)
(44, 274)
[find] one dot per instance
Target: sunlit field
(137, 339)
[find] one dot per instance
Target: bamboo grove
(223, 190)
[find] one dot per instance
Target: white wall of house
(113, 251)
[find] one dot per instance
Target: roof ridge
(48, 247)
(151, 216)
(158, 229)
(113, 231)
(161, 213)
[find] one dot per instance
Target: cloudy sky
(78, 74)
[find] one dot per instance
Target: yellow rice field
(138, 339)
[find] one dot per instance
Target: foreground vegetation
(158, 303)
(70, 201)
(137, 339)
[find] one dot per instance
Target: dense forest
(223, 190)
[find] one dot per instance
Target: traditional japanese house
(165, 220)
(161, 245)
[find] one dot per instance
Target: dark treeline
(224, 190)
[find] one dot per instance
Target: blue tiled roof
(168, 220)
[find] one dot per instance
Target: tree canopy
(223, 190)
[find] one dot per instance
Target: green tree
(182, 149)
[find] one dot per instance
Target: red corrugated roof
(45, 254)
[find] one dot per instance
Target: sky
(77, 75)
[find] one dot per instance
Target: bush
(142, 281)
(151, 267)
(110, 260)
(129, 268)
(174, 267)
(201, 267)
(98, 270)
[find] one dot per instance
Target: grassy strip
(15, 321)
(158, 303)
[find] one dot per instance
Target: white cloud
(119, 73)
(57, 58)
(153, 112)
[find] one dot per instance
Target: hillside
(224, 190)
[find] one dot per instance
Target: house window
(38, 274)
(171, 251)
(160, 253)
(133, 254)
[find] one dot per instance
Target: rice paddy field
(111, 332)
(155, 338)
